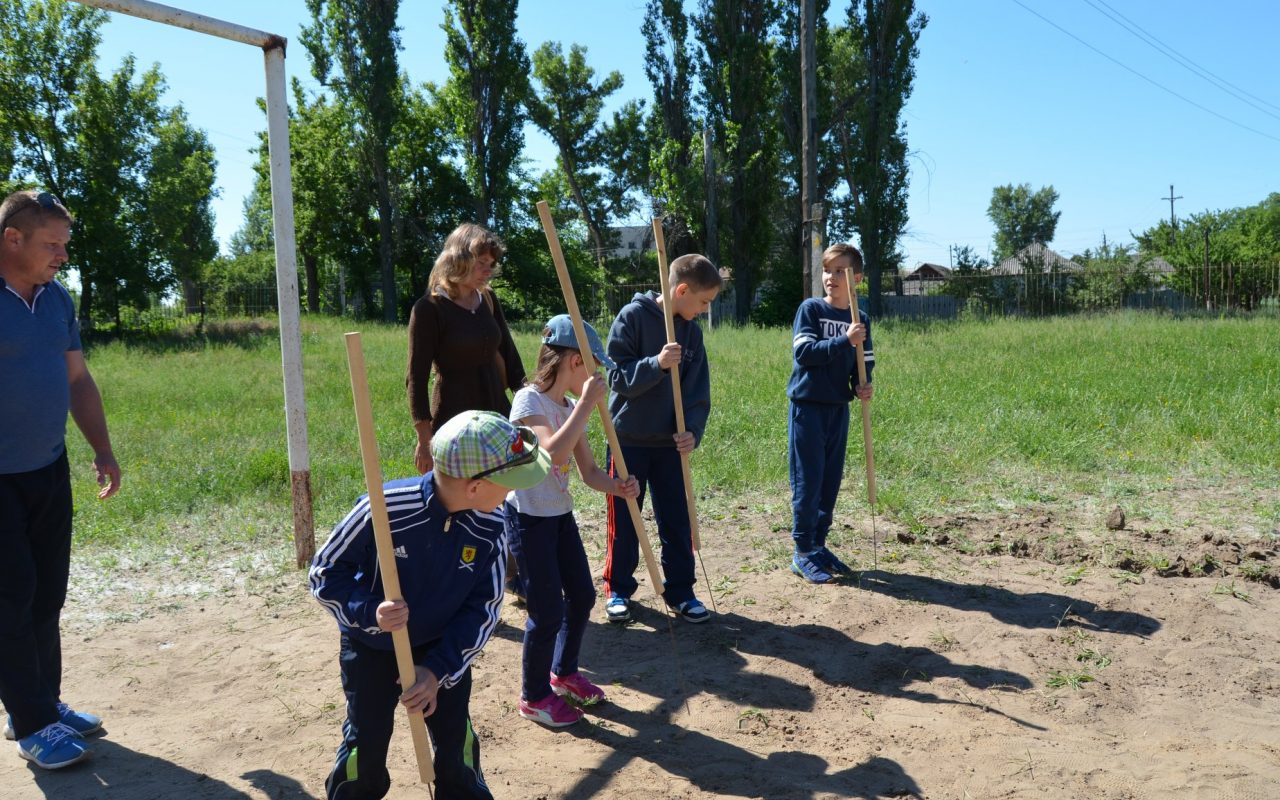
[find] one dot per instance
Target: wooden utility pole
(808, 143)
(1208, 304)
(1173, 222)
(815, 247)
(709, 175)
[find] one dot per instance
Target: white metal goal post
(295, 406)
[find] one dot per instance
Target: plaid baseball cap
(482, 444)
(559, 332)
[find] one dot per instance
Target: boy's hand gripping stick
(386, 551)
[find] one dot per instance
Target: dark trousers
(817, 435)
(657, 470)
(560, 594)
(373, 698)
(35, 560)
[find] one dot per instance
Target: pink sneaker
(577, 688)
(550, 711)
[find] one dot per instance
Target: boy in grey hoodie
(643, 410)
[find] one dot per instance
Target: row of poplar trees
(385, 167)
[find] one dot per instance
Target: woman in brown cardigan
(457, 331)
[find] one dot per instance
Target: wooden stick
(584, 346)
(386, 551)
(668, 298)
(866, 435)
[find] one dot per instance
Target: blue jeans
(658, 470)
(35, 560)
(559, 595)
(817, 435)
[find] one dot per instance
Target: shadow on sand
(118, 773)
(1024, 610)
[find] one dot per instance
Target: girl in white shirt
(543, 533)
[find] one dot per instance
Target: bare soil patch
(948, 672)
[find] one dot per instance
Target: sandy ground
(929, 677)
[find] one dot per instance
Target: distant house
(1035, 257)
(1156, 267)
(929, 272)
(630, 240)
(925, 275)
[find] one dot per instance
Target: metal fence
(1213, 288)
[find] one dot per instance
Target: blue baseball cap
(559, 332)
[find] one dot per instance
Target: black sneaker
(692, 610)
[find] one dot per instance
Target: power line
(1154, 83)
(1181, 60)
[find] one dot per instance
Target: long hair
(453, 265)
(550, 356)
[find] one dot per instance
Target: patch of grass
(1075, 637)
(752, 715)
(942, 641)
(1075, 679)
(1124, 576)
(1252, 570)
(1093, 658)
(198, 427)
(1231, 590)
(1075, 576)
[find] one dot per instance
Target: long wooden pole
(668, 311)
(866, 435)
(660, 242)
(386, 551)
(571, 301)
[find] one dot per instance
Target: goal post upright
(295, 411)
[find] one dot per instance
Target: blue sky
(1001, 96)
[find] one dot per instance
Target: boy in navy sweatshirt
(643, 411)
(824, 379)
(451, 553)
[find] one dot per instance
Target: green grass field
(973, 415)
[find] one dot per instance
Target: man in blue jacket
(43, 376)
(451, 553)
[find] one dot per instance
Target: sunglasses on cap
(45, 200)
(526, 448)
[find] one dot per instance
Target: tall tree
(112, 126)
(488, 81)
(566, 105)
(361, 38)
(47, 54)
(1022, 217)
(675, 173)
(107, 148)
(738, 81)
(873, 71)
(179, 200)
(433, 188)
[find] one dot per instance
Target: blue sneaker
(618, 609)
(830, 563)
(53, 747)
(807, 566)
(692, 610)
(81, 722)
